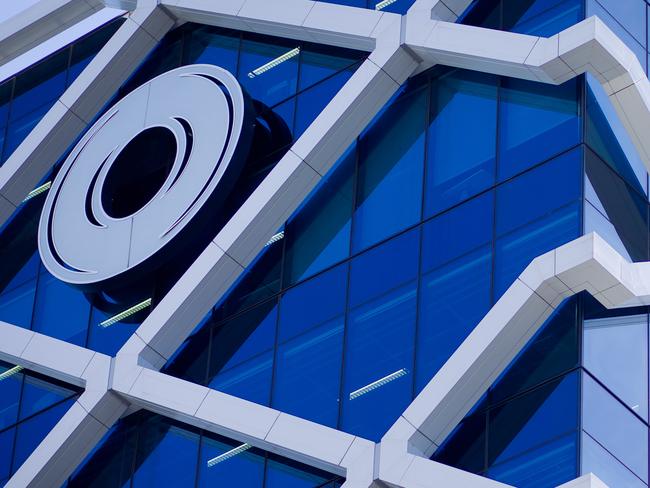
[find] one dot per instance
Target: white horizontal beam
(305, 20)
(585, 264)
(40, 22)
(77, 107)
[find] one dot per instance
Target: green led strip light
(10, 372)
(37, 191)
(379, 383)
(227, 455)
(272, 64)
(384, 3)
(127, 313)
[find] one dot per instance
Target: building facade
(364, 303)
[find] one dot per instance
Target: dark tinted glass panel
(532, 419)
(39, 394)
(205, 45)
(71, 322)
(318, 63)
(40, 85)
(622, 207)
(281, 473)
(84, 50)
(552, 351)
(391, 159)
(9, 397)
(107, 340)
(466, 445)
(160, 441)
(5, 96)
(319, 234)
(16, 306)
(452, 174)
(6, 449)
(19, 128)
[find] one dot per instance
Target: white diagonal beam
(306, 20)
(40, 22)
(80, 103)
(589, 46)
(272, 203)
(585, 264)
(447, 10)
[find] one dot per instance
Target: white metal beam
(41, 22)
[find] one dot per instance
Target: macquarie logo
(143, 176)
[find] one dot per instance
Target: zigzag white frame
(399, 46)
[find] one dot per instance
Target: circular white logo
(142, 173)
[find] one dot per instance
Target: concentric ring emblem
(166, 149)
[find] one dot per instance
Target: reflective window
(596, 460)
(454, 175)
(160, 441)
(40, 393)
(107, 340)
(465, 447)
(540, 17)
(380, 337)
(391, 159)
(16, 306)
(84, 50)
(9, 397)
(319, 234)
(245, 469)
(318, 62)
(551, 465)
(536, 122)
(455, 291)
(208, 45)
(70, 323)
(536, 417)
(615, 427)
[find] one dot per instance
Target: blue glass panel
(27, 272)
(243, 337)
(596, 460)
(605, 134)
(282, 473)
(84, 50)
(532, 419)
(107, 340)
(40, 85)
(537, 122)
(245, 469)
(465, 447)
(275, 84)
(38, 394)
(61, 311)
(308, 374)
(350, 3)
(552, 351)
(312, 101)
(458, 232)
(541, 17)
(547, 467)
(616, 352)
(538, 192)
(208, 45)
(18, 129)
(5, 97)
(6, 450)
(630, 14)
(16, 306)
(313, 302)
(161, 441)
(31, 432)
(615, 427)
(453, 300)
(380, 340)
(319, 62)
(381, 269)
(515, 251)
(319, 233)
(250, 380)
(391, 159)
(9, 398)
(454, 175)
